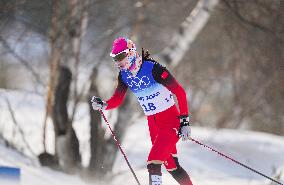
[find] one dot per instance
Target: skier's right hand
(98, 104)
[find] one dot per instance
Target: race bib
(152, 96)
(156, 100)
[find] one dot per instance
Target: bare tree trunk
(97, 132)
(104, 151)
(67, 144)
(110, 149)
(65, 42)
(54, 59)
(79, 16)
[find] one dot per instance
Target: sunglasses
(121, 55)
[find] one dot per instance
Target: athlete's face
(122, 64)
(128, 62)
(127, 59)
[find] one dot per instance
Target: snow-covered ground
(31, 172)
(261, 151)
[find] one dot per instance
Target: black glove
(184, 128)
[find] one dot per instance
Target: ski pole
(119, 146)
(235, 161)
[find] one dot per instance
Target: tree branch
(21, 60)
(17, 126)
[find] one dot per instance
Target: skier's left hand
(98, 104)
(184, 128)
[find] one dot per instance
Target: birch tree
(187, 32)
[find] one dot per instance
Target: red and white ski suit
(153, 86)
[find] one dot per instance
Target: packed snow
(260, 151)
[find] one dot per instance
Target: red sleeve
(118, 96)
(163, 76)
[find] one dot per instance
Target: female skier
(153, 86)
